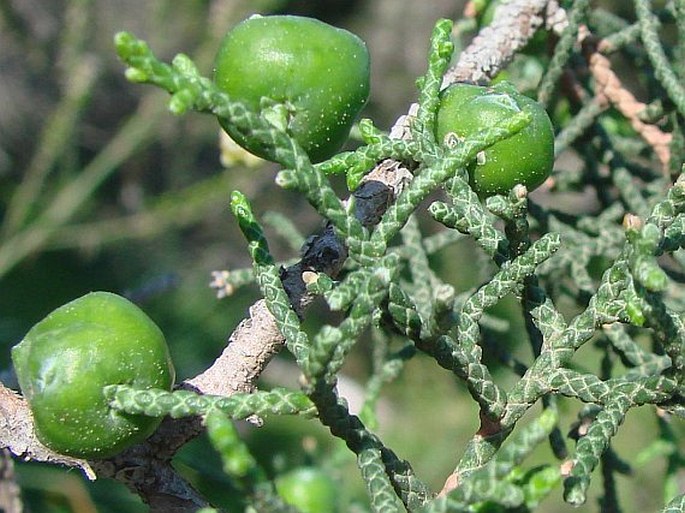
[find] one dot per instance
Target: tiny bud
(632, 223)
(445, 49)
(309, 277)
(181, 101)
(452, 140)
(520, 191)
(635, 314)
(566, 468)
(184, 64)
(136, 75)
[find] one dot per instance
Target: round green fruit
(525, 158)
(308, 489)
(66, 360)
(316, 74)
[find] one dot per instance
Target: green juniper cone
(66, 360)
(524, 158)
(309, 489)
(307, 77)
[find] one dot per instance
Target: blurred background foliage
(102, 189)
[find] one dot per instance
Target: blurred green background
(123, 196)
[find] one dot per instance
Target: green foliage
(606, 276)
(183, 403)
(373, 281)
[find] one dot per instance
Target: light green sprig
(468, 353)
(580, 247)
(403, 312)
(674, 235)
(256, 242)
(665, 212)
(423, 125)
(591, 446)
(649, 24)
(467, 215)
(241, 466)
(269, 279)
(560, 344)
(424, 282)
(184, 403)
(463, 354)
(313, 183)
(189, 91)
(650, 281)
(346, 292)
(591, 389)
(386, 372)
(369, 133)
(237, 460)
(332, 344)
(630, 350)
(357, 164)
(643, 264)
(489, 482)
(381, 491)
(334, 414)
(523, 443)
(578, 126)
(360, 316)
(563, 50)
